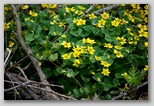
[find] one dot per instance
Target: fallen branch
(126, 93)
(105, 9)
(28, 51)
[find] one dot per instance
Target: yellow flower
(101, 22)
(54, 33)
(122, 40)
(44, 5)
(98, 79)
(108, 45)
(52, 5)
(105, 15)
(106, 72)
(92, 72)
(146, 44)
(54, 22)
(62, 24)
(78, 12)
(76, 53)
(63, 36)
(91, 16)
(66, 56)
(115, 23)
(83, 49)
(6, 25)
(81, 22)
(76, 62)
(81, 7)
(66, 44)
(121, 4)
(105, 64)
(125, 75)
(115, 51)
(69, 9)
(97, 58)
(33, 13)
(146, 68)
(75, 20)
(91, 50)
(26, 19)
(11, 44)
(88, 40)
(24, 6)
(118, 47)
(118, 55)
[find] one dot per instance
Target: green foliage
(94, 51)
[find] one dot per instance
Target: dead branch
(126, 93)
(90, 9)
(28, 51)
(105, 9)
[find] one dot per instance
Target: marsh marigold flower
(66, 44)
(105, 15)
(24, 6)
(105, 64)
(105, 72)
(33, 13)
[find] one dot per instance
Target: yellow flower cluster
(143, 31)
(79, 22)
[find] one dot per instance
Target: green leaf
(53, 57)
(118, 75)
(29, 37)
(47, 71)
(116, 81)
(69, 20)
(97, 75)
(85, 79)
(108, 38)
(57, 29)
(110, 61)
(76, 33)
(71, 73)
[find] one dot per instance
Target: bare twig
(61, 95)
(23, 73)
(91, 8)
(126, 93)
(10, 51)
(105, 9)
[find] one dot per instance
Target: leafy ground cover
(76, 51)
